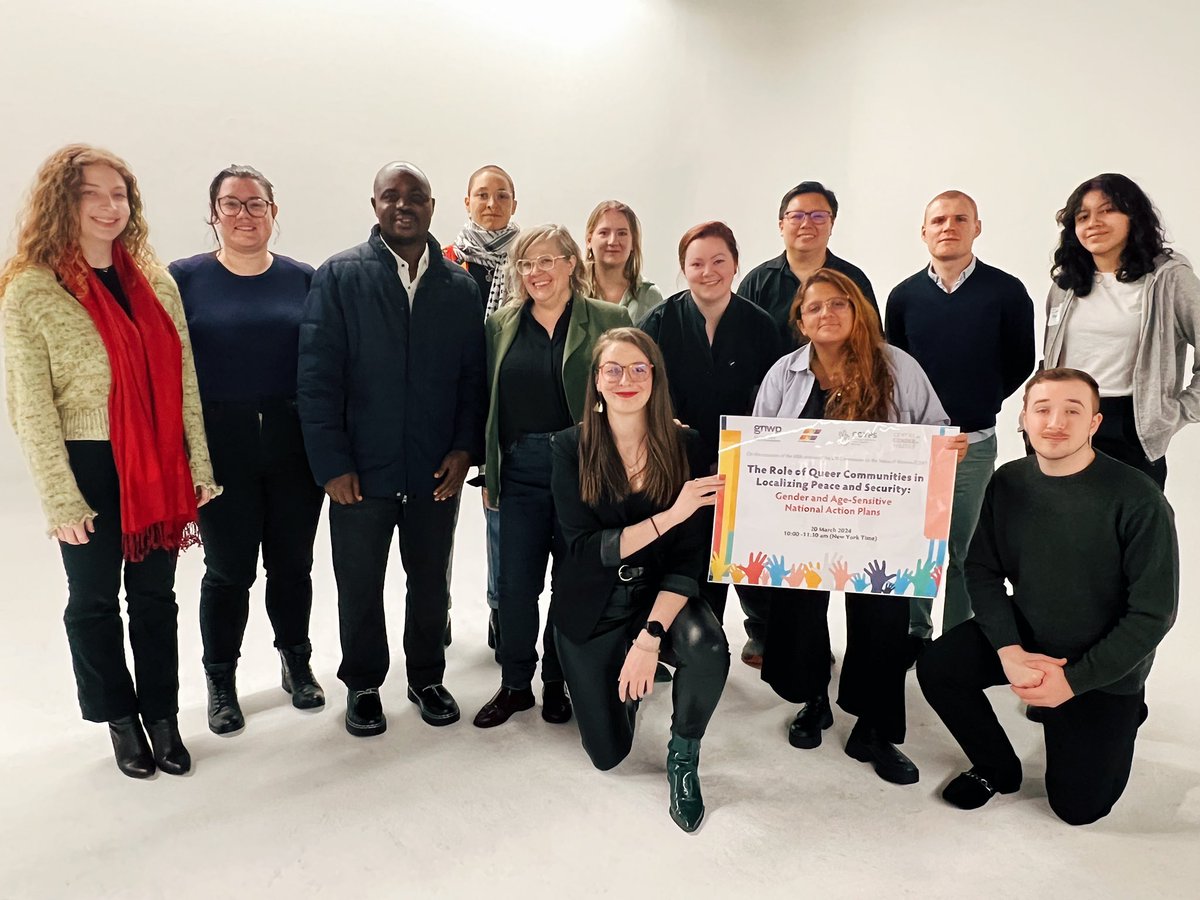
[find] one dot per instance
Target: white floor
(295, 807)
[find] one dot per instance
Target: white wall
(686, 110)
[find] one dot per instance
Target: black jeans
(796, 655)
(1117, 436)
(529, 537)
(93, 616)
(361, 535)
(1089, 739)
(695, 644)
(270, 501)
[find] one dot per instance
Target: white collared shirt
(958, 282)
(410, 284)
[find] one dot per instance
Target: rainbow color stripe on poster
(830, 505)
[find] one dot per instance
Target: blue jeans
(970, 481)
(529, 537)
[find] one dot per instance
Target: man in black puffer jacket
(392, 398)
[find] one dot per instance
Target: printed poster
(831, 505)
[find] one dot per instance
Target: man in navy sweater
(392, 399)
(1089, 547)
(970, 326)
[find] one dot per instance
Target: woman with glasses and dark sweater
(1125, 308)
(539, 347)
(243, 307)
(637, 550)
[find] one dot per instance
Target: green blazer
(589, 319)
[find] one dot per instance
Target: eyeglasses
(231, 206)
(610, 373)
(837, 305)
(542, 264)
(817, 217)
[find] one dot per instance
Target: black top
(108, 278)
(773, 286)
(976, 345)
(1093, 560)
(384, 391)
(814, 406)
(532, 399)
(244, 328)
(708, 382)
(675, 562)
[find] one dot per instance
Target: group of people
(222, 397)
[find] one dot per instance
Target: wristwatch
(655, 629)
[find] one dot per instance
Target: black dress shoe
(224, 713)
(866, 745)
(815, 717)
(556, 702)
(169, 753)
(296, 676)
(130, 747)
(436, 704)
(971, 790)
(364, 713)
(505, 702)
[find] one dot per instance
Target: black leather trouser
(695, 645)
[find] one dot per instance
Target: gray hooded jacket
(1170, 323)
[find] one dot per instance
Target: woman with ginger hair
(102, 394)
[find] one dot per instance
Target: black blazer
(386, 391)
(675, 562)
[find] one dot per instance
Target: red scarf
(145, 412)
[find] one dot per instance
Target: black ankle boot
(169, 753)
(224, 714)
(683, 759)
(298, 678)
(130, 747)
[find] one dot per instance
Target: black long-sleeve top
(1093, 560)
(675, 562)
(708, 382)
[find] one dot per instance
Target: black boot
(683, 759)
(130, 747)
(170, 754)
(298, 678)
(224, 714)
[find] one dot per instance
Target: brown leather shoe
(503, 704)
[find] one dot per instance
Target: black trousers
(1117, 436)
(270, 501)
(93, 616)
(361, 535)
(1089, 739)
(796, 655)
(695, 644)
(530, 537)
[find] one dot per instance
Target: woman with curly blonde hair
(102, 394)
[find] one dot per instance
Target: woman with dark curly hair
(102, 394)
(1124, 308)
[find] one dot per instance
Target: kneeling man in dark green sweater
(1089, 547)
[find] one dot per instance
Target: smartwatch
(655, 630)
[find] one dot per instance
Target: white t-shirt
(1103, 333)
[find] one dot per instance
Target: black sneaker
(970, 790)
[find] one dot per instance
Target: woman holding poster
(637, 550)
(845, 371)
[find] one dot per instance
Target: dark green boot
(687, 806)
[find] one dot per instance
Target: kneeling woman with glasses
(539, 348)
(637, 552)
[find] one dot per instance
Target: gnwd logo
(768, 429)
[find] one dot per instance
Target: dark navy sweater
(976, 345)
(245, 329)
